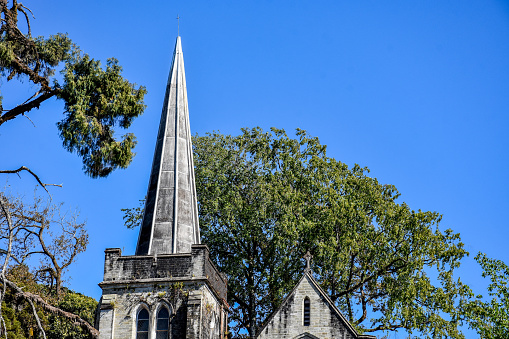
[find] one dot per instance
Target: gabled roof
(308, 274)
(170, 220)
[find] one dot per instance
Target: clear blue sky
(418, 91)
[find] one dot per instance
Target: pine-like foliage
(97, 100)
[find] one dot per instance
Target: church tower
(170, 288)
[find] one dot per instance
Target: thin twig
(26, 116)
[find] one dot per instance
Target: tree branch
(52, 309)
(23, 168)
(26, 107)
(372, 276)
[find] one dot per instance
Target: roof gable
(307, 286)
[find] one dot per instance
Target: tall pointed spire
(170, 220)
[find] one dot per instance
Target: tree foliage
(20, 322)
(490, 318)
(265, 199)
(39, 232)
(96, 100)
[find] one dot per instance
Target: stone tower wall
(187, 284)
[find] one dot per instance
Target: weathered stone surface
(326, 321)
(170, 269)
(170, 221)
(194, 266)
(187, 284)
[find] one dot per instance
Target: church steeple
(170, 221)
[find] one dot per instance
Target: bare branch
(7, 214)
(4, 327)
(28, 9)
(20, 8)
(23, 114)
(34, 311)
(23, 168)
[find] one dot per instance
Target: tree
(490, 318)
(96, 100)
(38, 231)
(42, 233)
(19, 319)
(265, 199)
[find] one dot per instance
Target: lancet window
(307, 312)
(142, 324)
(163, 324)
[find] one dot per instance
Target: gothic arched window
(142, 324)
(163, 323)
(307, 311)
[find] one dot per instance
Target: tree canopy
(96, 100)
(265, 199)
(490, 318)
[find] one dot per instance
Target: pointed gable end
(308, 313)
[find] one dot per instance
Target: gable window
(163, 323)
(142, 324)
(307, 312)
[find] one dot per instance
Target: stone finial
(308, 258)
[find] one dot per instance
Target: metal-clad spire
(170, 221)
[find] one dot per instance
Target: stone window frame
(138, 309)
(306, 322)
(160, 305)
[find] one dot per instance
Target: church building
(170, 288)
(308, 313)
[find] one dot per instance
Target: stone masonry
(170, 219)
(189, 285)
(326, 321)
(170, 270)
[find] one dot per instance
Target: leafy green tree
(490, 318)
(96, 100)
(19, 319)
(242, 212)
(75, 303)
(265, 199)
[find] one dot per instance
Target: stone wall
(164, 267)
(325, 322)
(187, 284)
